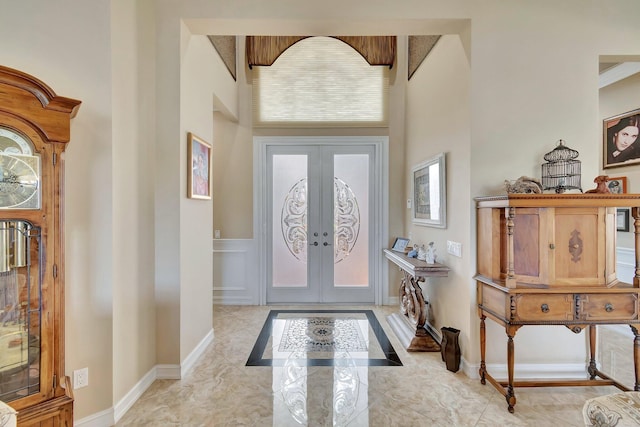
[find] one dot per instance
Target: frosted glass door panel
(319, 223)
(351, 220)
(289, 220)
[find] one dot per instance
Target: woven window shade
(376, 50)
(320, 82)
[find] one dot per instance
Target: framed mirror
(429, 189)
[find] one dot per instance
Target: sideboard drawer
(608, 307)
(545, 307)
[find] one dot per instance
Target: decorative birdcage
(562, 170)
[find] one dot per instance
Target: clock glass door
(20, 310)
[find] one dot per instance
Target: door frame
(380, 195)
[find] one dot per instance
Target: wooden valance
(376, 50)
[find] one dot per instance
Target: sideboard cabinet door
(578, 257)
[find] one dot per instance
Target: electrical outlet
(408, 203)
(454, 248)
(216, 234)
(80, 378)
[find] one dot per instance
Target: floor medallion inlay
(320, 336)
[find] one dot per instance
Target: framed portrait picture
(199, 167)
(622, 219)
(429, 192)
(620, 143)
(617, 185)
(400, 244)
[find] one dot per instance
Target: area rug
(320, 337)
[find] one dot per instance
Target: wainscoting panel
(234, 272)
(625, 264)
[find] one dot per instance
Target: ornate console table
(410, 323)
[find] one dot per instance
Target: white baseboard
(168, 372)
(134, 394)
(101, 419)
(111, 416)
(193, 357)
(528, 371)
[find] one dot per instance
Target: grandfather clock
(34, 131)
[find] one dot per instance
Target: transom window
(320, 81)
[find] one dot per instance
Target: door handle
(313, 244)
(326, 244)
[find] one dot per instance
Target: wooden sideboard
(410, 324)
(551, 260)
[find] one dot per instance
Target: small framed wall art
(622, 219)
(429, 191)
(400, 244)
(621, 146)
(617, 185)
(199, 167)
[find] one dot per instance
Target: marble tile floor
(221, 391)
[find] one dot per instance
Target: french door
(319, 220)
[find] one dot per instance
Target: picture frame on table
(199, 167)
(429, 192)
(617, 185)
(620, 140)
(400, 244)
(622, 219)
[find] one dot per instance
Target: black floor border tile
(391, 357)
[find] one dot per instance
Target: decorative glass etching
(294, 220)
(346, 219)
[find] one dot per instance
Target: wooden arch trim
(376, 50)
(46, 111)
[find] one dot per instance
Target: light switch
(454, 248)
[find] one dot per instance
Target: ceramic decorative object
(422, 253)
(601, 185)
(430, 256)
(524, 184)
(450, 349)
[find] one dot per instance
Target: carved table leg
(420, 315)
(483, 349)
(593, 370)
(636, 356)
(510, 396)
(413, 311)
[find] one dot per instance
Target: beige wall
(438, 120)
(68, 46)
(202, 76)
(134, 314)
(533, 80)
(232, 178)
(233, 162)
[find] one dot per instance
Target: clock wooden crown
(34, 131)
